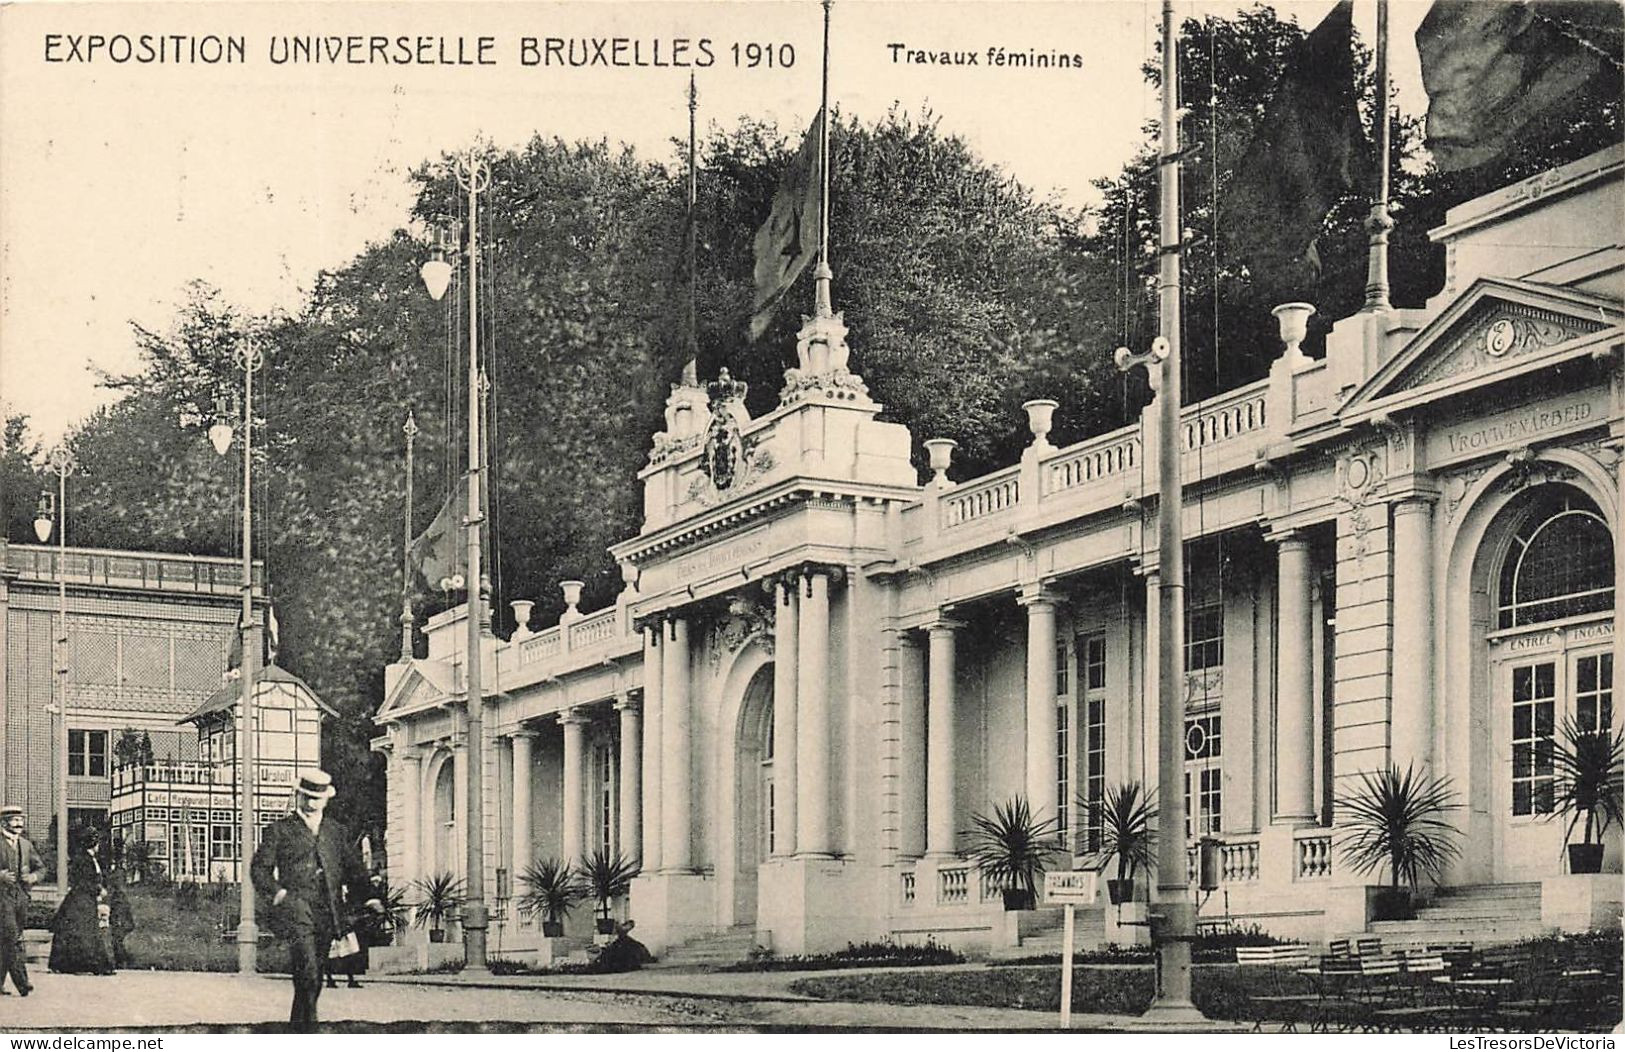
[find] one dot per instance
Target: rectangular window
(1063, 760)
(1204, 637)
(1203, 752)
(222, 842)
(87, 753)
(1063, 671)
(772, 805)
(1534, 705)
(606, 798)
(1093, 675)
(1594, 691)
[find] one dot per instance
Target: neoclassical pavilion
(820, 668)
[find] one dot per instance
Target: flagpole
(1379, 223)
(693, 201)
(411, 430)
(822, 275)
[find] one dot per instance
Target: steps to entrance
(710, 951)
(1481, 914)
(1046, 929)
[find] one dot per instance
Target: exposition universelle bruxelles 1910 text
(584, 52)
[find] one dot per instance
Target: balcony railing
(589, 631)
(1096, 459)
(908, 887)
(1313, 851)
(1240, 412)
(982, 500)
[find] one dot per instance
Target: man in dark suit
(303, 865)
(20, 867)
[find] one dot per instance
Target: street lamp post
(62, 464)
(1172, 916)
(249, 359)
(473, 176)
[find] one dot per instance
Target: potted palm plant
(1590, 768)
(1125, 818)
(551, 892)
(607, 876)
(440, 896)
(1398, 820)
(1011, 848)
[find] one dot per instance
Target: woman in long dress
(80, 940)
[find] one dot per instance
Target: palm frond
(1126, 823)
(1010, 846)
(1398, 819)
(1589, 768)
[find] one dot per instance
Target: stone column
(631, 830)
(575, 780)
(1295, 690)
(812, 717)
(1412, 719)
(786, 673)
(522, 742)
(939, 806)
(410, 865)
(676, 754)
(1041, 718)
(911, 773)
(653, 669)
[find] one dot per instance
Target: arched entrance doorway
(1550, 644)
(754, 792)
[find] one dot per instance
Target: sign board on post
(1069, 889)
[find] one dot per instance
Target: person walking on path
(81, 941)
(20, 868)
(303, 866)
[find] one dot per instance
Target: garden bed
(863, 955)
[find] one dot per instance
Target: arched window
(1560, 563)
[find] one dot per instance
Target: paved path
(171, 1000)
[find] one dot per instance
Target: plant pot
(1393, 904)
(553, 929)
(1585, 858)
(1120, 891)
(437, 935)
(606, 925)
(1018, 899)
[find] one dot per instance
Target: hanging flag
(1305, 155)
(438, 553)
(787, 242)
(1493, 69)
(268, 644)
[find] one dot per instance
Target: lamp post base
(248, 946)
(475, 922)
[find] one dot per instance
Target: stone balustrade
(1105, 456)
(981, 500)
(1313, 851)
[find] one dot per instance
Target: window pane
(1585, 674)
(1520, 798)
(1522, 721)
(1545, 680)
(1523, 760)
(1523, 684)
(1543, 719)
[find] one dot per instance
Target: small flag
(268, 644)
(1493, 69)
(437, 554)
(787, 242)
(1305, 153)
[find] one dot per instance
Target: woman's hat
(316, 783)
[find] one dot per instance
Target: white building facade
(1404, 552)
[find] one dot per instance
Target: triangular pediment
(1498, 328)
(419, 682)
